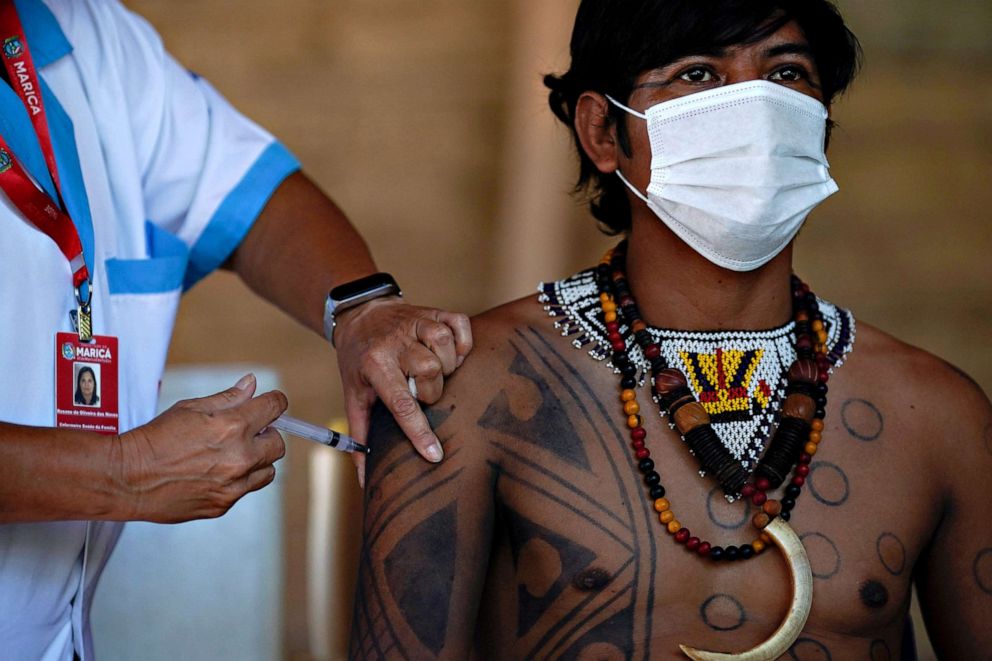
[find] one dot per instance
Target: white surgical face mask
(735, 170)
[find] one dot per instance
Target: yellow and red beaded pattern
(756, 492)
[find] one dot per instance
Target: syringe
(322, 435)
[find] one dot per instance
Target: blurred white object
(204, 590)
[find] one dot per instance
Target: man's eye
(696, 75)
(788, 74)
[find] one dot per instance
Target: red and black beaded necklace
(791, 448)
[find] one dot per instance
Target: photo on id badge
(86, 384)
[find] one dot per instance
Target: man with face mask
(725, 451)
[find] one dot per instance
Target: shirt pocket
(144, 299)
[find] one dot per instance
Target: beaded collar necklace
(740, 377)
(800, 419)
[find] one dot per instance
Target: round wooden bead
(810, 448)
(638, 433)
(762, 484)
(691, 416)
(633, 421)
(758, 546)
(628, 396)
(666, 516)
(766, 538)
(604, 297)
(638, 325)
(817, 425)
(669, 380)
(803, 370)
(631, 408)
(609, 306)
(674, 526)
(760, 520)
(662, 505)
(692, 543)
(759, 498)
(704, 548)
(815, 437)
(772, 508)
(682, 536)
(609, 316)
(799, 406)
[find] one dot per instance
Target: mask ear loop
(639, 115)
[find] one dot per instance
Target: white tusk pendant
(802, 600)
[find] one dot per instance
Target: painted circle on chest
(862, 419)
(891, 552)
(824, 558)
(807, 649)
(828, 483)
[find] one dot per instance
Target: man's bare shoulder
(910, 368)
(939, 399)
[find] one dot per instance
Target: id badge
(86, 383)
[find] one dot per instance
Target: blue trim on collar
(237, 213)
(45, 37)
(70, 172)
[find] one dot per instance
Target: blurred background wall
(426, 121)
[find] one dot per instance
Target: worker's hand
(198, 458)
(380, 345)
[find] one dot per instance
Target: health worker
(125, 179)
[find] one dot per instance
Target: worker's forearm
(57, 475)
(300, 247)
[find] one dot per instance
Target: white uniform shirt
(163, 179)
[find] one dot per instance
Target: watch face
(378, 283)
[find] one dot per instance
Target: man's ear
(596, 132)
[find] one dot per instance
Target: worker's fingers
(235, 395)
(462, 330)
(424, 367)
(390, 383)
(259, 478)
(269, 447)
(259, 412)
(358, 458)
(439, 339)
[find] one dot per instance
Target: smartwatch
(354, 293)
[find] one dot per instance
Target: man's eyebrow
(791, 48)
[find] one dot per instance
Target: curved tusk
(802, 600)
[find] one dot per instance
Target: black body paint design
(565, 442)
(823, 554)
(720, 621)
(862, 419)
(880, 651)
(831, 493)
(715, 502)
(425, 605)
(891, 552)
(807, 649)
(437, 416)
(643, 558)
(573, 558)
(873, 594)
(982, 570)
(609, 640)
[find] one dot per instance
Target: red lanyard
(23, 192)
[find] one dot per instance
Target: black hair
(614, 41)
(79, 391)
